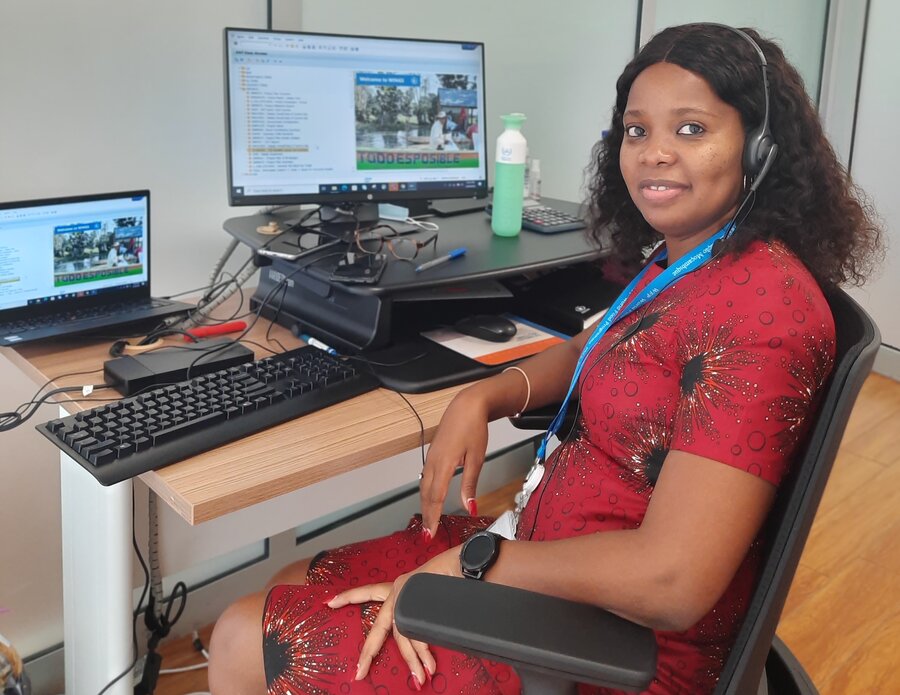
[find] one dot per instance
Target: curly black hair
(807, 200)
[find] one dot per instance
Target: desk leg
(97, 581)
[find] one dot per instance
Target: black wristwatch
(479, 553)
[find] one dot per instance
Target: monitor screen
(316, 118)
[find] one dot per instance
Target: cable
(156, 589)
(223, 259)
(260, 346)
(198, 645)
(274, 320)
(409, 404)
(7, 418)
(401, 363)
(421, 424)
(247, 271)
(159, 625)
(26, 411)
(183, 669)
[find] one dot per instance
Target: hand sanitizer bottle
(509, 177)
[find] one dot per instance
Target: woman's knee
(235, 648)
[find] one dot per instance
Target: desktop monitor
(335, 119)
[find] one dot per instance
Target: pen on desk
(455, 253)
(316, 343)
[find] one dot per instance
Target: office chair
(554, 644)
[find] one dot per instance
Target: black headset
(760, 148)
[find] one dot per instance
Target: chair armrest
(527, 630)
(540, 418)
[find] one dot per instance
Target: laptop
(74, 265)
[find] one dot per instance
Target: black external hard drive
(172, 364)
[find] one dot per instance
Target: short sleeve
(751, 377)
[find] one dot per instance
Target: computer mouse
(487, 327)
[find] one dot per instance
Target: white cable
(184, 669)
(195, 667)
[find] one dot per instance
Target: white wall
(798, 25)
(876, 152)
(101, 96)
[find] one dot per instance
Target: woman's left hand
(416, 654)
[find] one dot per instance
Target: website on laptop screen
(64, 250)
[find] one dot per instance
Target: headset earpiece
(771, 153)
(759, 152)
(760, 148)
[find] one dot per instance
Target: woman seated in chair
(691, 404)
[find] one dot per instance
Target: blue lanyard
(691, 261)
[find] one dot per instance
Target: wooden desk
(289, 456)
(97, 521)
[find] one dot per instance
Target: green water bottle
(509, 177)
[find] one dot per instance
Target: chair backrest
(798, 497)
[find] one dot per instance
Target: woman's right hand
(461, 440)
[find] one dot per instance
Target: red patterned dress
(727, 364)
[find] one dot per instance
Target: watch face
(479, 551)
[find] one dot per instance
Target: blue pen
(316, 343)
(455, 253)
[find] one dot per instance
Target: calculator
(547, 220)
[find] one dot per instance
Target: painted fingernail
(415, 680)
(426, 534)
(358, 677)
(428, 671)
(472, 506)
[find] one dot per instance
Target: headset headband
(760, 148)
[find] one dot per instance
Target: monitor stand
(447, 207)
(367, 213)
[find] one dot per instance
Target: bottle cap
(513, 120)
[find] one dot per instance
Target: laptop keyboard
(64, 317)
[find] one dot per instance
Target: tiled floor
(842, 617)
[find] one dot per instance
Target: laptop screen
(63, 250)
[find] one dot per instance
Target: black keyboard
(545, 220)
(123, 439)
